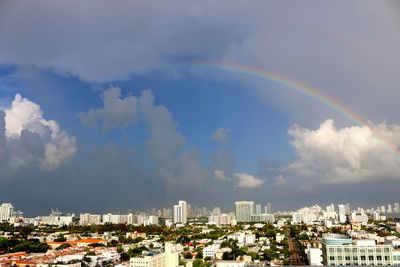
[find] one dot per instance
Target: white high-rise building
(244, 210)
(396, 207)
(180, 212)
(6, 212)
(258, 209)
(342, 213)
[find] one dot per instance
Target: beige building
(169, 258)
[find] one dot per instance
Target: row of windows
(396, 257)
(361, 250)
(363, 258)
(356, 263)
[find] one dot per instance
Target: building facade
(6, 212)
(341, 250)
(244, 210)
(180, 212)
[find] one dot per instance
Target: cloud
(221, 135)
(346, 155)
(180, 168)
(119, 40)
(246, 180)
(116, 111)
(340, 52)
(27, 138)
(220, 175)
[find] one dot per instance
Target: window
(387, 258)
(363, 258)
(347, 258)
(355, 258)
(379, 257)
(332, 258)
(371, 258)
(331, 250)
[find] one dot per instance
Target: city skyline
(138, 105)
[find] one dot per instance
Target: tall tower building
(6, 212)
(180, 212)
(269, 208)
(396, 207)
(244, 210)
(258, 209)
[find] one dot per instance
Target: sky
(115, 107)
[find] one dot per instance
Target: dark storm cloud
(339, 47)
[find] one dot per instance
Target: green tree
(199, 255)
(124, 256)
(187, 255)
(63, 246)
(198, 263)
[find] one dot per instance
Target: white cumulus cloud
(246, 180)
(28, 138)
(349, 154)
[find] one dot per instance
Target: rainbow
(296, 86)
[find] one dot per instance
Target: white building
(114, 218)
(6, 212)
(314, 256)
(222, 219)
(148, 261)
(340, 250)
(89, 219)
(263, 217)
(180, 212)
(359, 218)
(153, 220)
(210, 250)
(279, 237)
(244, 210)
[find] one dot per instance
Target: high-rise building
(6, 212)
(189, 210)
(180, 212)
(216, 211)
(258, 209)
(244, 210)
(268, 208)
(342, 213)
(396, 207)
(389, 209)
